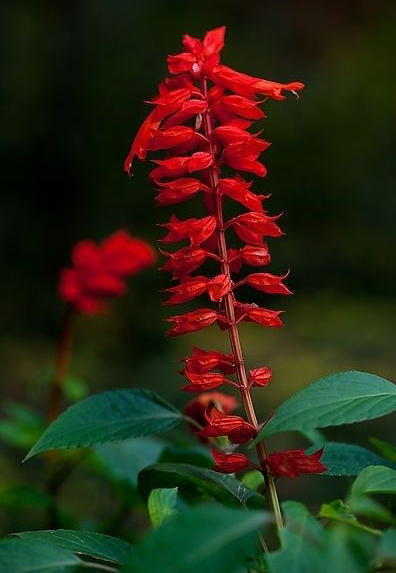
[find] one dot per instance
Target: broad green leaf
(387, 450)
(348, 459)
(194, 455)
(161, 505)
(302, 541)
(192, 480)
(346, 551)
(369, 507)
(375, 479)
(386, 552)
(338, 511)
(253, 479)
(125, 459)
(106, 417)
(95, 545)
(25, 556)
(205, 539)
(342, 398)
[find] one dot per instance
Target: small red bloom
(292, 463)
(179, 166)
(260, 376)
(189, 109)
(179, 190)
(174, 136)
(264, 316)
(203, 361)
(187, 290)
(251, 227)
(98, 271)
(219, 286)
(242, 106)
(195, 409)
(229, 463)
(239, 190)
(234, 427)
(265, 282)
(197, 230)
(203, 382)
(184, 261)
(256, 256)
(192, 321)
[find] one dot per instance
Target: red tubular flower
(99, 271)
(203, 361)
(219, 105)
(195, 409)
(260, 376)
(292, 463)
(229, 463)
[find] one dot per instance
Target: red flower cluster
(98, 271)
(201, 116)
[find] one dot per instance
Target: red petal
(218, 287)
(203, 361)
(192, 321)
(268, 283)
(200, 382)
(187, 290)
(229, 463)
(260, 376)
(264, 316)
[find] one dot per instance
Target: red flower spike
(187, 290)
(192, 321)
(197, 230)
(260, 376)
(203, 361)
(184, 261)
(220, 116)
(265, 282)
(98, 270)
(218, 287)
(238, 189)
(229, 463)
(255, 256)
(203, 382)
(196, 408)
(292, 463)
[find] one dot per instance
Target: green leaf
(375, 479)
(347, 550)
(384, 448)
(386, 552)
(106, 417)
(342, 398)
(26, 556)
(125, 459)
(253, 479)
(302, 541)
(369, 507)
(338, 511)
(193, 480)
(201, 540)
(96, 545)
(161, 505)
(348, 459)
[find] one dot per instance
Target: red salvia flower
(229, 463)
(195, 409)
(99, 271)
(203, 361)
(193, 321)
(292, 463)
(260, 376)
(219, 105)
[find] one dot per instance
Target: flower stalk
(218, 105)
(230, 314)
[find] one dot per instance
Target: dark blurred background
(74, 77)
